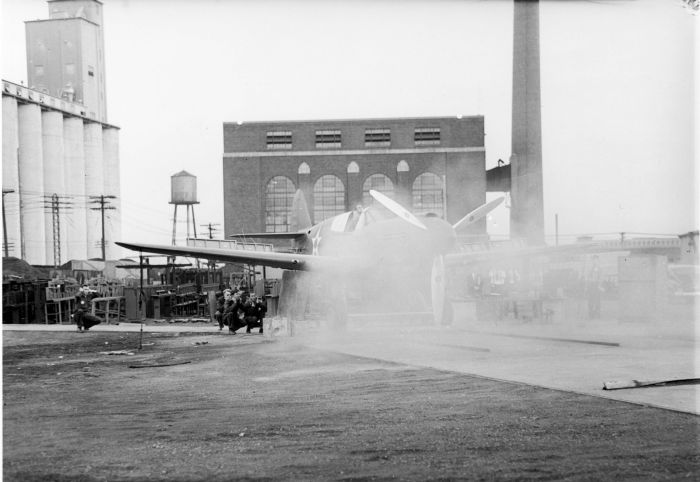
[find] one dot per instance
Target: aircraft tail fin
(301, 219)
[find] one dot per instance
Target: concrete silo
(31, 184)
(112, 187)
(94, 186)
(10, 177)
(74, 180)
(54, 186)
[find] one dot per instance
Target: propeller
(396, 208)
(478, 213)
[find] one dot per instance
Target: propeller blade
(478, 213)
(396, 208)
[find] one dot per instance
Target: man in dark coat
(257, 312)
(219, 314)
(82, 316)
(233, 312)
(250, 312)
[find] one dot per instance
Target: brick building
(429, 164)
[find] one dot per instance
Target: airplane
(384, 248)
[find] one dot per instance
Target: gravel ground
(247, 407)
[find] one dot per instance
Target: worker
(219, 313)
(254, 310)
(594, 288)
(233, 312)
(82, 314)
(261, 310)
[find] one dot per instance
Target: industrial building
(429, 164)
(60, 156)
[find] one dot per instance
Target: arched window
(428, 195)
(279, 193)
(378, 182)
(329, 197)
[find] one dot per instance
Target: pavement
(127, 327)
(574, 357)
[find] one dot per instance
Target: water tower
(183, 189)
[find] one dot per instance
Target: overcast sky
(617, 92)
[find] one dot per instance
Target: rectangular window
(328, 139)
(378, 137)
(91, 71)
(279, 140)
(38, 70)
(426, 136)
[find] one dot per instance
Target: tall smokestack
(527, 207)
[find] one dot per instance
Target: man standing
(593, 289)
(219, 314)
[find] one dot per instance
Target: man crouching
(233, 311)
(82, 316)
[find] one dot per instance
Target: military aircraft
(383, 249)
(383, 246)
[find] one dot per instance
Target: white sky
(617, 82)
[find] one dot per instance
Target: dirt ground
(247, 407)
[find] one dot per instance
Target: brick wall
(248, 164)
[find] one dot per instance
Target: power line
(210, 227)
(103, 201)
(55, 205)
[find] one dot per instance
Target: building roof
(182, 174)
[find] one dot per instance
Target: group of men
(238, 309)
(235, 309)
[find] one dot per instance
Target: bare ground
(245, 407)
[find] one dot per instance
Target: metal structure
(103, 202)
(183, 192)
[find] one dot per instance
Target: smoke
(531, 320)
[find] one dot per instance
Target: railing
(227, 244)
(37, 97)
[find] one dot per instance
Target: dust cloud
(563, 321)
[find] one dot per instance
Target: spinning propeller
(477, 214)
(405, 214)
(396, 208)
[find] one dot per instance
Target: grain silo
(112, 188)
(94, 186)
(31, 184)
(10, 177)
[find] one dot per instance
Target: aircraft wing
(292, 235)
(292, 261)
(469, 257)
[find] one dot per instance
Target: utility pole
(102, 200)
(54, 203)
(211, 228)
(4, 221)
